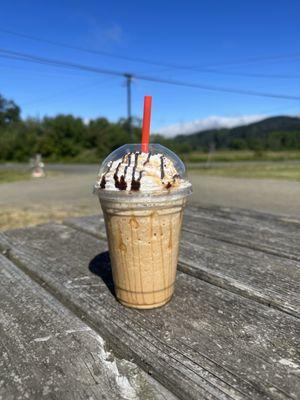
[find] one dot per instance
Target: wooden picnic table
(231, 331)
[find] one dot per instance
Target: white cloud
(211, 122)
(114, 33)
(100, 36)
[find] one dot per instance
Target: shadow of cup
(100, 265)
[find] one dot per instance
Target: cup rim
(155, 196)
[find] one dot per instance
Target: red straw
(146, 124)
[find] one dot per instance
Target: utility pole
(129, 118)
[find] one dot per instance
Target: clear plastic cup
(143, 231)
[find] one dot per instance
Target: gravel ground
(36, 201)
(271, 196)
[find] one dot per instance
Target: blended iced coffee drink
(142, 195)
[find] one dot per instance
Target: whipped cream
(141, 172)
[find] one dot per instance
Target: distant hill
(275, 133)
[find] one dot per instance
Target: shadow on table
(100, 265)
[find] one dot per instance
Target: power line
(64, 64)
(250, 75)
(218, 88)
(48, 61)
(255, 60)
(67, 91)
(19, 70)
(203, 68)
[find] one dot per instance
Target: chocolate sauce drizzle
(119, 183)
(162, 171)
(148, 158)
(135, 184)
(117, 169)
(122, 185)
(103, 180)
(169, 184)
(128, 165)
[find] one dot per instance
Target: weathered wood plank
(275, 235)
(48, 352)
(284, 222)
(264, 277)
(206, 343)
(92, 224)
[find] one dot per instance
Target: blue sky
(192, 33)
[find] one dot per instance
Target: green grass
(12, 176)
(243, 155)
(269, 171)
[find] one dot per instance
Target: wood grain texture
(92, 224)
(236, 214)
(206, 343)
(272, 234)
(263, 277)
(255, 274)
(48, 352)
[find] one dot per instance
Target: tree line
(64, 137)
(69, 138)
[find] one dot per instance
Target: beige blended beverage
(142, 197)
